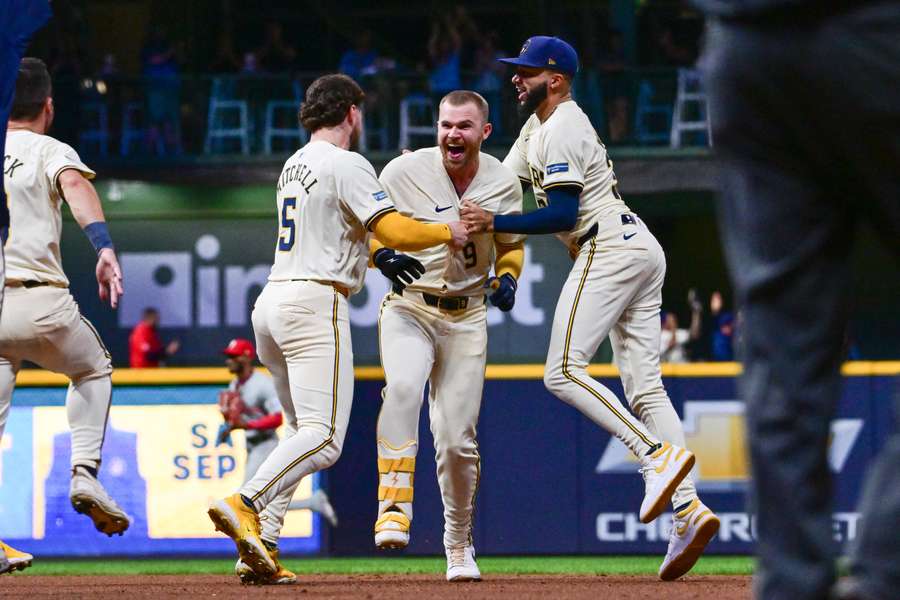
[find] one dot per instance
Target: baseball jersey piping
(565, 365)
(96, 335)
(334, 396)
(380, 213)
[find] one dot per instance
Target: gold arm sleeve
(374, 246)
(405, 234)
(509, 258)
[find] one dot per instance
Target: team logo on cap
(524, 47)
(550, 61)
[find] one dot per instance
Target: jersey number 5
(287, 233)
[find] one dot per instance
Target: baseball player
(251, 403)
(328, 201)
(40, 321)
(435, 329)
(17, 23)
(614, 288)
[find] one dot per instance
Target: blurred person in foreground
(251, 403)
(18, 21)
(805, 105)
(145, 348)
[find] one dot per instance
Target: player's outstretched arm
(84, 202)
(402, 233)
(560, 214)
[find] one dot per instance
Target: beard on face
(532, 100)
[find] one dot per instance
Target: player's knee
(403, 393)
(555, 379)
(330, 452)
(101, 370)
(458, 448)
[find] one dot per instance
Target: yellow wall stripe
(219, 375)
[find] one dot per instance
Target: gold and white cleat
(662, 473)
(89, 497)
(692, 529)
(12, 559)
(282, 576)
(241, 523)
(392, 530)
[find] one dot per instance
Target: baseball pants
(303, 337)
(615, 289)
(805, 119)
(43, 325)
(420, 344)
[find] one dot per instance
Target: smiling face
(461, 131)
(533, 85)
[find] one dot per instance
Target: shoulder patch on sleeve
(557, 168)
(380, 195)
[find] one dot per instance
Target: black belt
(627, 219)
(26, 284)
(440, 302)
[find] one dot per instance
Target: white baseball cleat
(392, 530)
(662, 473)
(320, 503)
(12, 559)
(692, 529)
(461, 565)
(90, 498)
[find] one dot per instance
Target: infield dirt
(418, 587)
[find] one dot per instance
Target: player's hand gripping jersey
(420, 188)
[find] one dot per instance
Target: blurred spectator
(109, 68)
(226, 60)
(145, 348)
(675, 51)
(160, 70)
(723, 338)
(361, 59)
(66, 72)
(250, 66)
(673, 341)
(489, 76)
(444, 46)
(276, 55)
(613, 66)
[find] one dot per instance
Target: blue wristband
(98, 233)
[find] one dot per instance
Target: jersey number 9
(287, 234)
(470, 255)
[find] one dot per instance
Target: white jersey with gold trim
(31, 166)
(565, 150)
(420, 187)
(327, 198)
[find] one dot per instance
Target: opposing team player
(40, 321)
(328, 200)
(251, 403)
(435, 329)
(614, 288)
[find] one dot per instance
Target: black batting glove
(401, 269)
(504, 297)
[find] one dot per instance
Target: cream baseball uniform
(40, 321)
(614, 288)
(326, 200)
(421, 342)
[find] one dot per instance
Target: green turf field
(577, 565)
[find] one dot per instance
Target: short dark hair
(460, 97)
(327, 101)
(33, 87)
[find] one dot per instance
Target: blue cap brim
(520, 62)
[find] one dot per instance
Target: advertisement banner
(160, 463)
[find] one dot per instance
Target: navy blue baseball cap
(545, 52)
